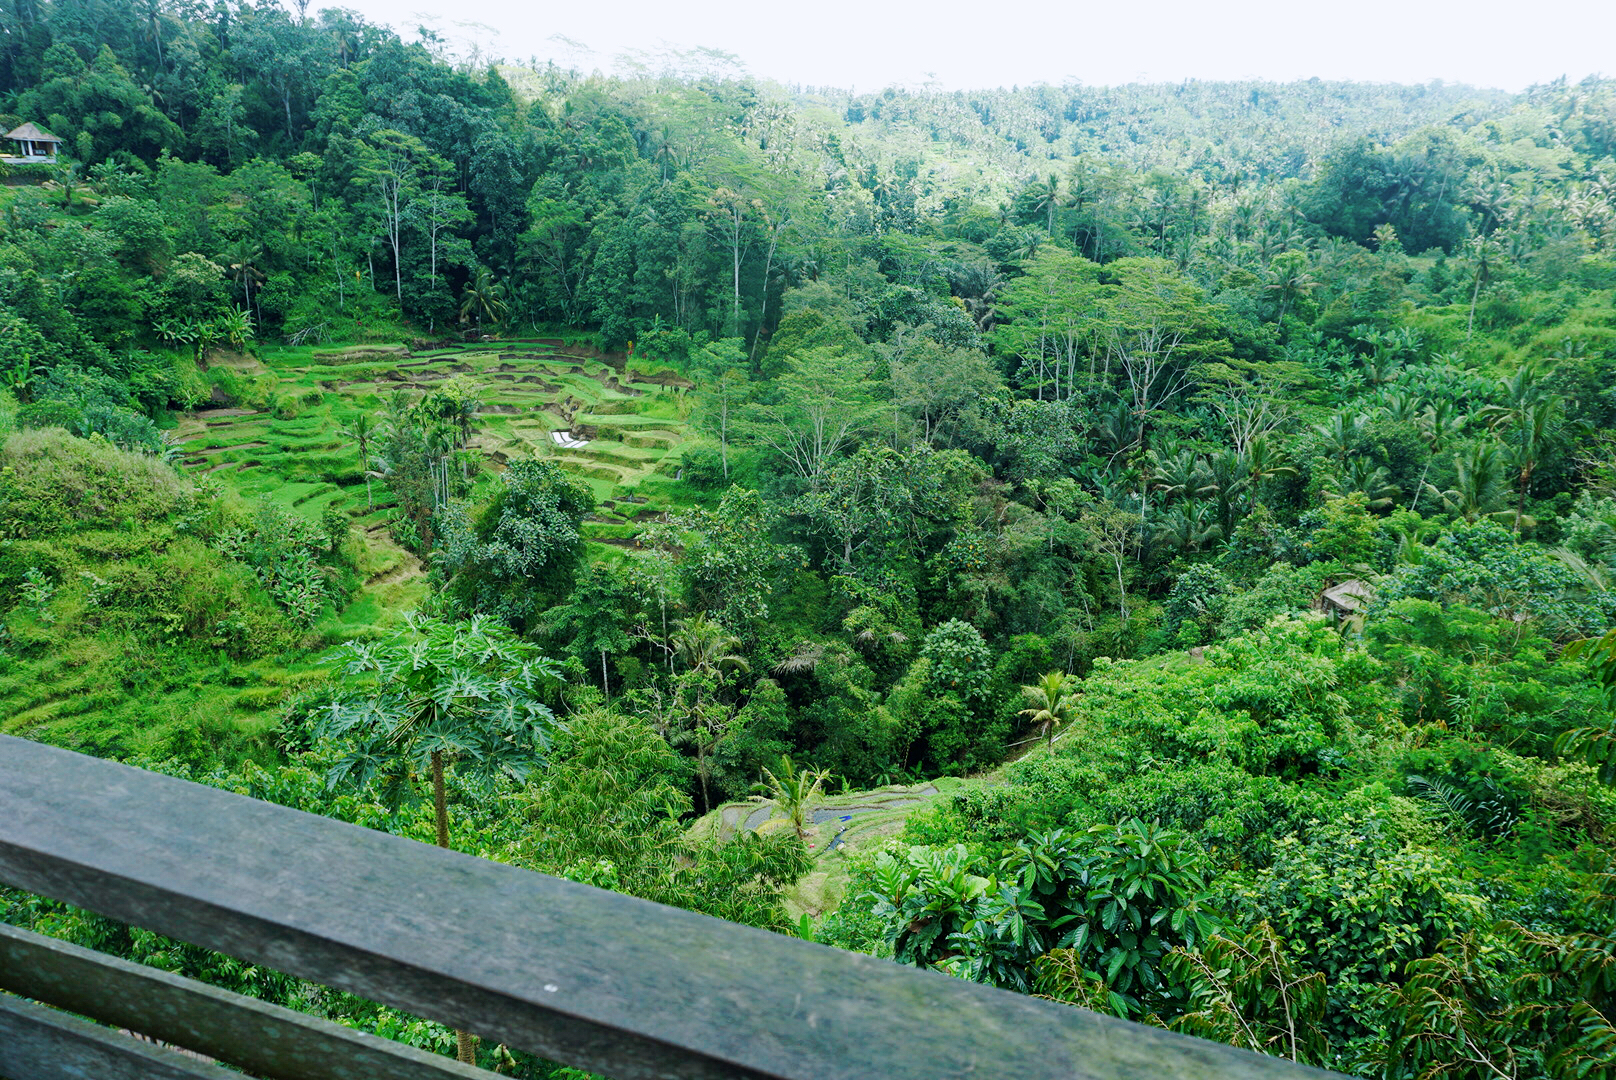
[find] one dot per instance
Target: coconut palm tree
(362, 429)
(1179, 475)
(483, 299)
(704, 646)
(1484, 255)
(1359, 473)
(1289, 281)
(1052, 700)
(1186, 526)
(1341, 432)
(1441, 422)
(791, 791)
(1262, 461)
(1478, 487)
(242, 261)
(1529, 421)
(1227, 481)
(1047, 197)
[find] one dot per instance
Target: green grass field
(294, 453)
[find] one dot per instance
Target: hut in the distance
(1346, 600)
(31, 144)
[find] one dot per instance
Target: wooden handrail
(601, 981)
(266, 1040)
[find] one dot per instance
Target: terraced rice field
(840, 828)
(630, 420)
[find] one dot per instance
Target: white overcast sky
(869, 44)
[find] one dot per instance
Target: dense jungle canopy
(1175, 524)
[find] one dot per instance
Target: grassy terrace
(293, 451)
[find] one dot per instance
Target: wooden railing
(596, 980)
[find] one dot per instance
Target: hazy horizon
(871, 45)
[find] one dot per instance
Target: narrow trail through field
(408, 567)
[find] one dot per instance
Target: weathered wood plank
(264, 1039)
(37, 1043)
(602, 981)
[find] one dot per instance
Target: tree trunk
(465, 1042)
(440, 805)
(763, 316)
(605, 687)
(1520, 503)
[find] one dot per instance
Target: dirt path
(408, 567)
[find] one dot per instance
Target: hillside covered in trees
(1216, 482)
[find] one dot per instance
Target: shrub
(52, 482)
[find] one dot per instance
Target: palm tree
(152, 29)
(1529, 418)
(397, 408)
(1484, 254)
(1053, 700)
(1186, 526)
(1441, 421)
(1401, 407)
(1535, 429)
(1358, 473)
(704, 646)
(361, 429)
(1227, 481)
(792, 792)
(483, 299)
(1478, 486)
(440, 440)
(1492, 196)
(1289, 280)
(242, 263)
(1262, 461)
(1178, 476)
(1341, 433)
(1047, 197)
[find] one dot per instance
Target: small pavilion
(32, 143)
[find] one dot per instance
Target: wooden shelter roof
(31, 132)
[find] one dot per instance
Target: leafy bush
(1071, 912)
(53, 482)
(1356, 905)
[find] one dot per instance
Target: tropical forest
(1150, 547)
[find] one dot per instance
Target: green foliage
(1487, 567)
(284, 550)
(1248, 992)
(958, 661)
(607, 809)
(1271, 702)
(520, 553)
(52, 483)
(439, 692)
(1352, 902)
(1084, 404)
(1065, 909)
